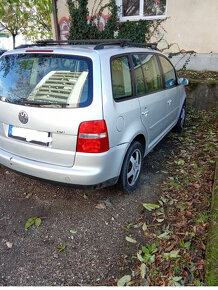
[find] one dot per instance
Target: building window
(141, 9)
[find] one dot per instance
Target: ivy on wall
(138, 31)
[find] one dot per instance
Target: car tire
(181, 121)
(131, 169)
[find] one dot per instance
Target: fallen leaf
(73, 231)
(131, 240)
(30, 222)
(160, 220)
(173, 254)
(163, 236)
(169, 248)
(197, 186)
(150, 206)
(100, 205)
(176, 279)
(143, 270)
(188, 213)
(9, 245)
(38, 222)
(144, 227)
(61, 248)
(28, 195)
(33, 220)
(124, 280)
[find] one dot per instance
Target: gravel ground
(97, 254)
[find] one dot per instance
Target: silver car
(86, 115)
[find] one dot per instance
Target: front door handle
(169, 102)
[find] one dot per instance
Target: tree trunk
(13, 35)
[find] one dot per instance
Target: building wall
(191, 25)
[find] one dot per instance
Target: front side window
(142, 9)
(46, 80)
(151, 72)
(168, 72)
(121, 78)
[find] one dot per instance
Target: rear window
(46, 80)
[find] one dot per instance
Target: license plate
(28, 134)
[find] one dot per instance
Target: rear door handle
(169, 102)
(145, 112)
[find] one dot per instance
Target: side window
(121, 78)
(151, 72)
(139, 78)
(168, 72)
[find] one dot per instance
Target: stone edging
(211, 263)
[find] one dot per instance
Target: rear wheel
(181, 121)
(131, 169)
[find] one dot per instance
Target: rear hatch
(43, 99)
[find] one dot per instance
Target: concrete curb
(197, 61)
(211, 265)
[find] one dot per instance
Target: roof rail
(100, 43)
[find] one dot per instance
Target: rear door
(149, 90)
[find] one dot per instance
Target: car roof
(85, 50)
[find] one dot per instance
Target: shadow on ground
(97, 254)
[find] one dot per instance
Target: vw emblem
(23, 117)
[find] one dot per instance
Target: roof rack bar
(121, 42)
(24, 46)
(81, 41)
(103, 42)
(151, 45)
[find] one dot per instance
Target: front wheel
(131, 169)
(181, 121)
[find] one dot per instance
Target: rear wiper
(32, 102)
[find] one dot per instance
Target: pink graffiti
(65, 23)
(64, 26)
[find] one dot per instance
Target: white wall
(7, 42)
(198, 62)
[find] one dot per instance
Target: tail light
(93, 137)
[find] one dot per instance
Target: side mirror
(183, 81)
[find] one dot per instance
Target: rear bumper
(93, 170)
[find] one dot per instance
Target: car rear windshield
(46, 80)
